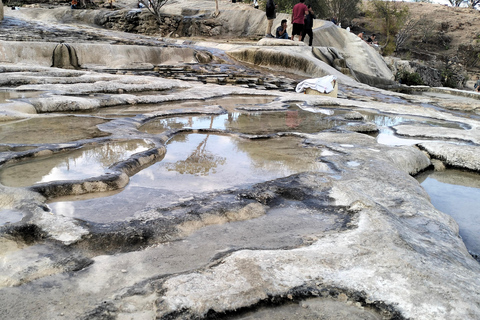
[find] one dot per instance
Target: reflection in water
(79, 164)
(10, 216)
(6, 95)
(387, 135)
(294, 119)
(196, 163)
(201, 162)
(50, 130)
(457, 193)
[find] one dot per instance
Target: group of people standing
(302, 20)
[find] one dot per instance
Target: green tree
(387, 17)
(344, 10)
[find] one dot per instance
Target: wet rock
(424, 131)
(438, 165)
(360, 127)
(279, 42)
(203, 56)
(37, 261)
(354, 115)
(65, 56)
(460, 156)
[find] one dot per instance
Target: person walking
(309, 25)
(271, 15)
(298, 18)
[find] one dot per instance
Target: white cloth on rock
(322, 85)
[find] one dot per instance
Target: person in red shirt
(298, 17)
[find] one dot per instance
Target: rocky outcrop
(454, 155)
(87, 55)
(140, 21)
(366, 64)
(65, 56)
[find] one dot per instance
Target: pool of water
(293, 119)
(72, 165)
(50, 130)
(457, 193)
(6, 95)
(387, 135)
(10, 216)
(198, 163)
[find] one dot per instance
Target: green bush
(409, 78)
(389, 49)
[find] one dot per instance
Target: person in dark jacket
(271, 15)
(309, 25)
(282, 30)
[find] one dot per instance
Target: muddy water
(457, 193)
(195, 164)
(73, 165)
(50, 130)
(292, 120)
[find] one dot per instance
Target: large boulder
(363, 61)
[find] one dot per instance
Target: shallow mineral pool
(71, 165)
(50, 130)
(387, 135)
(457, 193)
(195, 164)
(293, 119)
(6, 95)
(312, 309)
(10, 216)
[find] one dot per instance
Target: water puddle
(387, 135)
(73, 165)
(228, 103)
(457, 193)
(199, 163)
(376, 96)
(292, 120)
(10, 216)
(50, 130)
(8, 95)
(312, 309)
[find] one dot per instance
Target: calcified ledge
(92, 55)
